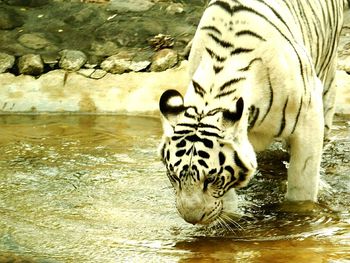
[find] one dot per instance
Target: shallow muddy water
(91, 189)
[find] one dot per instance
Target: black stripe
(203, 154)
(205, 125)
(180, 153)
(250, 64)
(249, 33)
(278, 16)
(190, 116)
(241, 50)
(215, 56)
(226, 93)
(254, 112)
(271, 98)
(283, 121)
(231, 82)
(193, 138)
(198, 89)
(212, 134)
(231, 171)
(181, 144)
(298, 115)
(223, 5)
(211, 28)
(208, 143)
(203, 163)
(178, 163)
(220, 42)
(248, 9)
(183, 132)
(217, 69)
(239, 163)
(190, 125)
(222, 158)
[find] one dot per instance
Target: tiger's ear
(231, 117)
(171, 105)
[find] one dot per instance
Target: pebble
(130, 5)
(116, 64)
(34, 41)
(104, 48)
(82, 16)
(164, 59)
(139, 65)
(175, 8)
(9, 19)
(31, 3)
(6, 62)
(30, 64)
(50, 59)
(344, 63)
(72, 60)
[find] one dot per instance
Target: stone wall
(61, 91)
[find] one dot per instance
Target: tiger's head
(207, 155)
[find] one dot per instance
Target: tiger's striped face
(204, 158)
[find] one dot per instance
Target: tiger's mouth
(205, 211)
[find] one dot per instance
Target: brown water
(91, 189)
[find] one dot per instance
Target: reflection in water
(91, 189)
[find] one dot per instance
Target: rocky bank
(104, 56)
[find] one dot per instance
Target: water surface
(91, 189)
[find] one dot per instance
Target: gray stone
(31, 3)
(127, 34)
(34, 41)
(164, 59)
(30, 64)
(98, 74)
(116, 64)
(50, 59)
(107, 48)
(72, 60)
(6, 62)
(80, 17)
(9, 19)
(139, 65)
(130, 5)
(175, 8)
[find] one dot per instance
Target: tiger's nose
(193, 218)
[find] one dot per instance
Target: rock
(6, 62)
(30, 64)
(9, 19)
(31, 3)
(80, 17)
(175, 8)
(34, 41)
(130, 5)
(72, 60)
(127, 34)
(107, 48)
(344, 63)
(117, 64)
(139, 65)
(343, 92)
(50, 59)
(164, 59)
(98, 74)
(126, 61)
(161, 41)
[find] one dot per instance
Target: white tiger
(261, 70)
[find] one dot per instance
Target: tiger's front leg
(306, 145)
